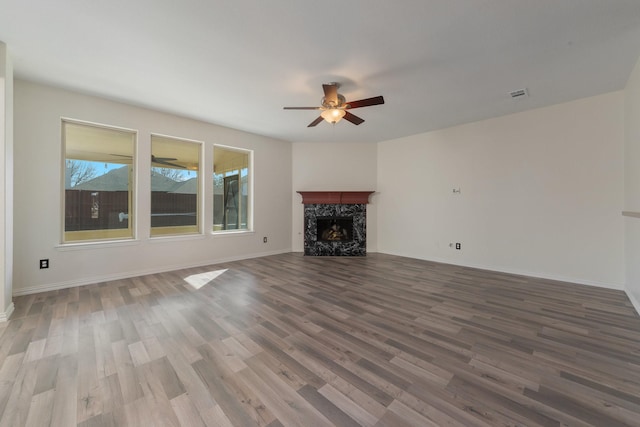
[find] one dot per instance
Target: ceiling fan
(334, 106)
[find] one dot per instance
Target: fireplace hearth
(336, 227)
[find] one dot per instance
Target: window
(98, 182)
(174, 186)
(231, 189)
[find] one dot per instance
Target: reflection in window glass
(231, 178)
(98, 186)
(174, 185)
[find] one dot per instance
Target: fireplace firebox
(335, 223)
(334, 229)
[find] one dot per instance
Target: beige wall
(541, 193)
(38, 164)
(632, 185)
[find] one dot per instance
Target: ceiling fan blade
(352, 118)
(301, 108)
(376, 100)
(331, 93)
(315, 122)
(161, 159)
(162, 162)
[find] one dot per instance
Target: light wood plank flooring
(289, 340)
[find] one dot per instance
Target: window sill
(226, 233)
(175, 237)
(77, 246)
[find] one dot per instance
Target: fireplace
(335, 223)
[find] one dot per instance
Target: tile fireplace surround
(335, 222)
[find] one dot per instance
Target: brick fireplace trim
(335, 197)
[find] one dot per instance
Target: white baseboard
(5, 315)
(579, 281)
(124, 275)
(617, 287)
(98, 279)
(634, 301)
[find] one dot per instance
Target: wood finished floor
(289, 340)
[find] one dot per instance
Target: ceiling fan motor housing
(330, 104)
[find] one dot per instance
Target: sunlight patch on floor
(199, 280)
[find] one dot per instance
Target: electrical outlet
(44, 263)
(458, 246)
(264, 239)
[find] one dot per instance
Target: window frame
(178, 230)
(250, 190)
(99, 235)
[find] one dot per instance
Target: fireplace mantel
(335, 197)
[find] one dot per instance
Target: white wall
(632, 185)
(541, 193)
(333, 167)
(6, 182)
(38, 111)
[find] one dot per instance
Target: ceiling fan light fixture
(333, 115)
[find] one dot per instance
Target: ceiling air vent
(519, 94)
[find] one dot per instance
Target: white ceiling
(236, 63)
